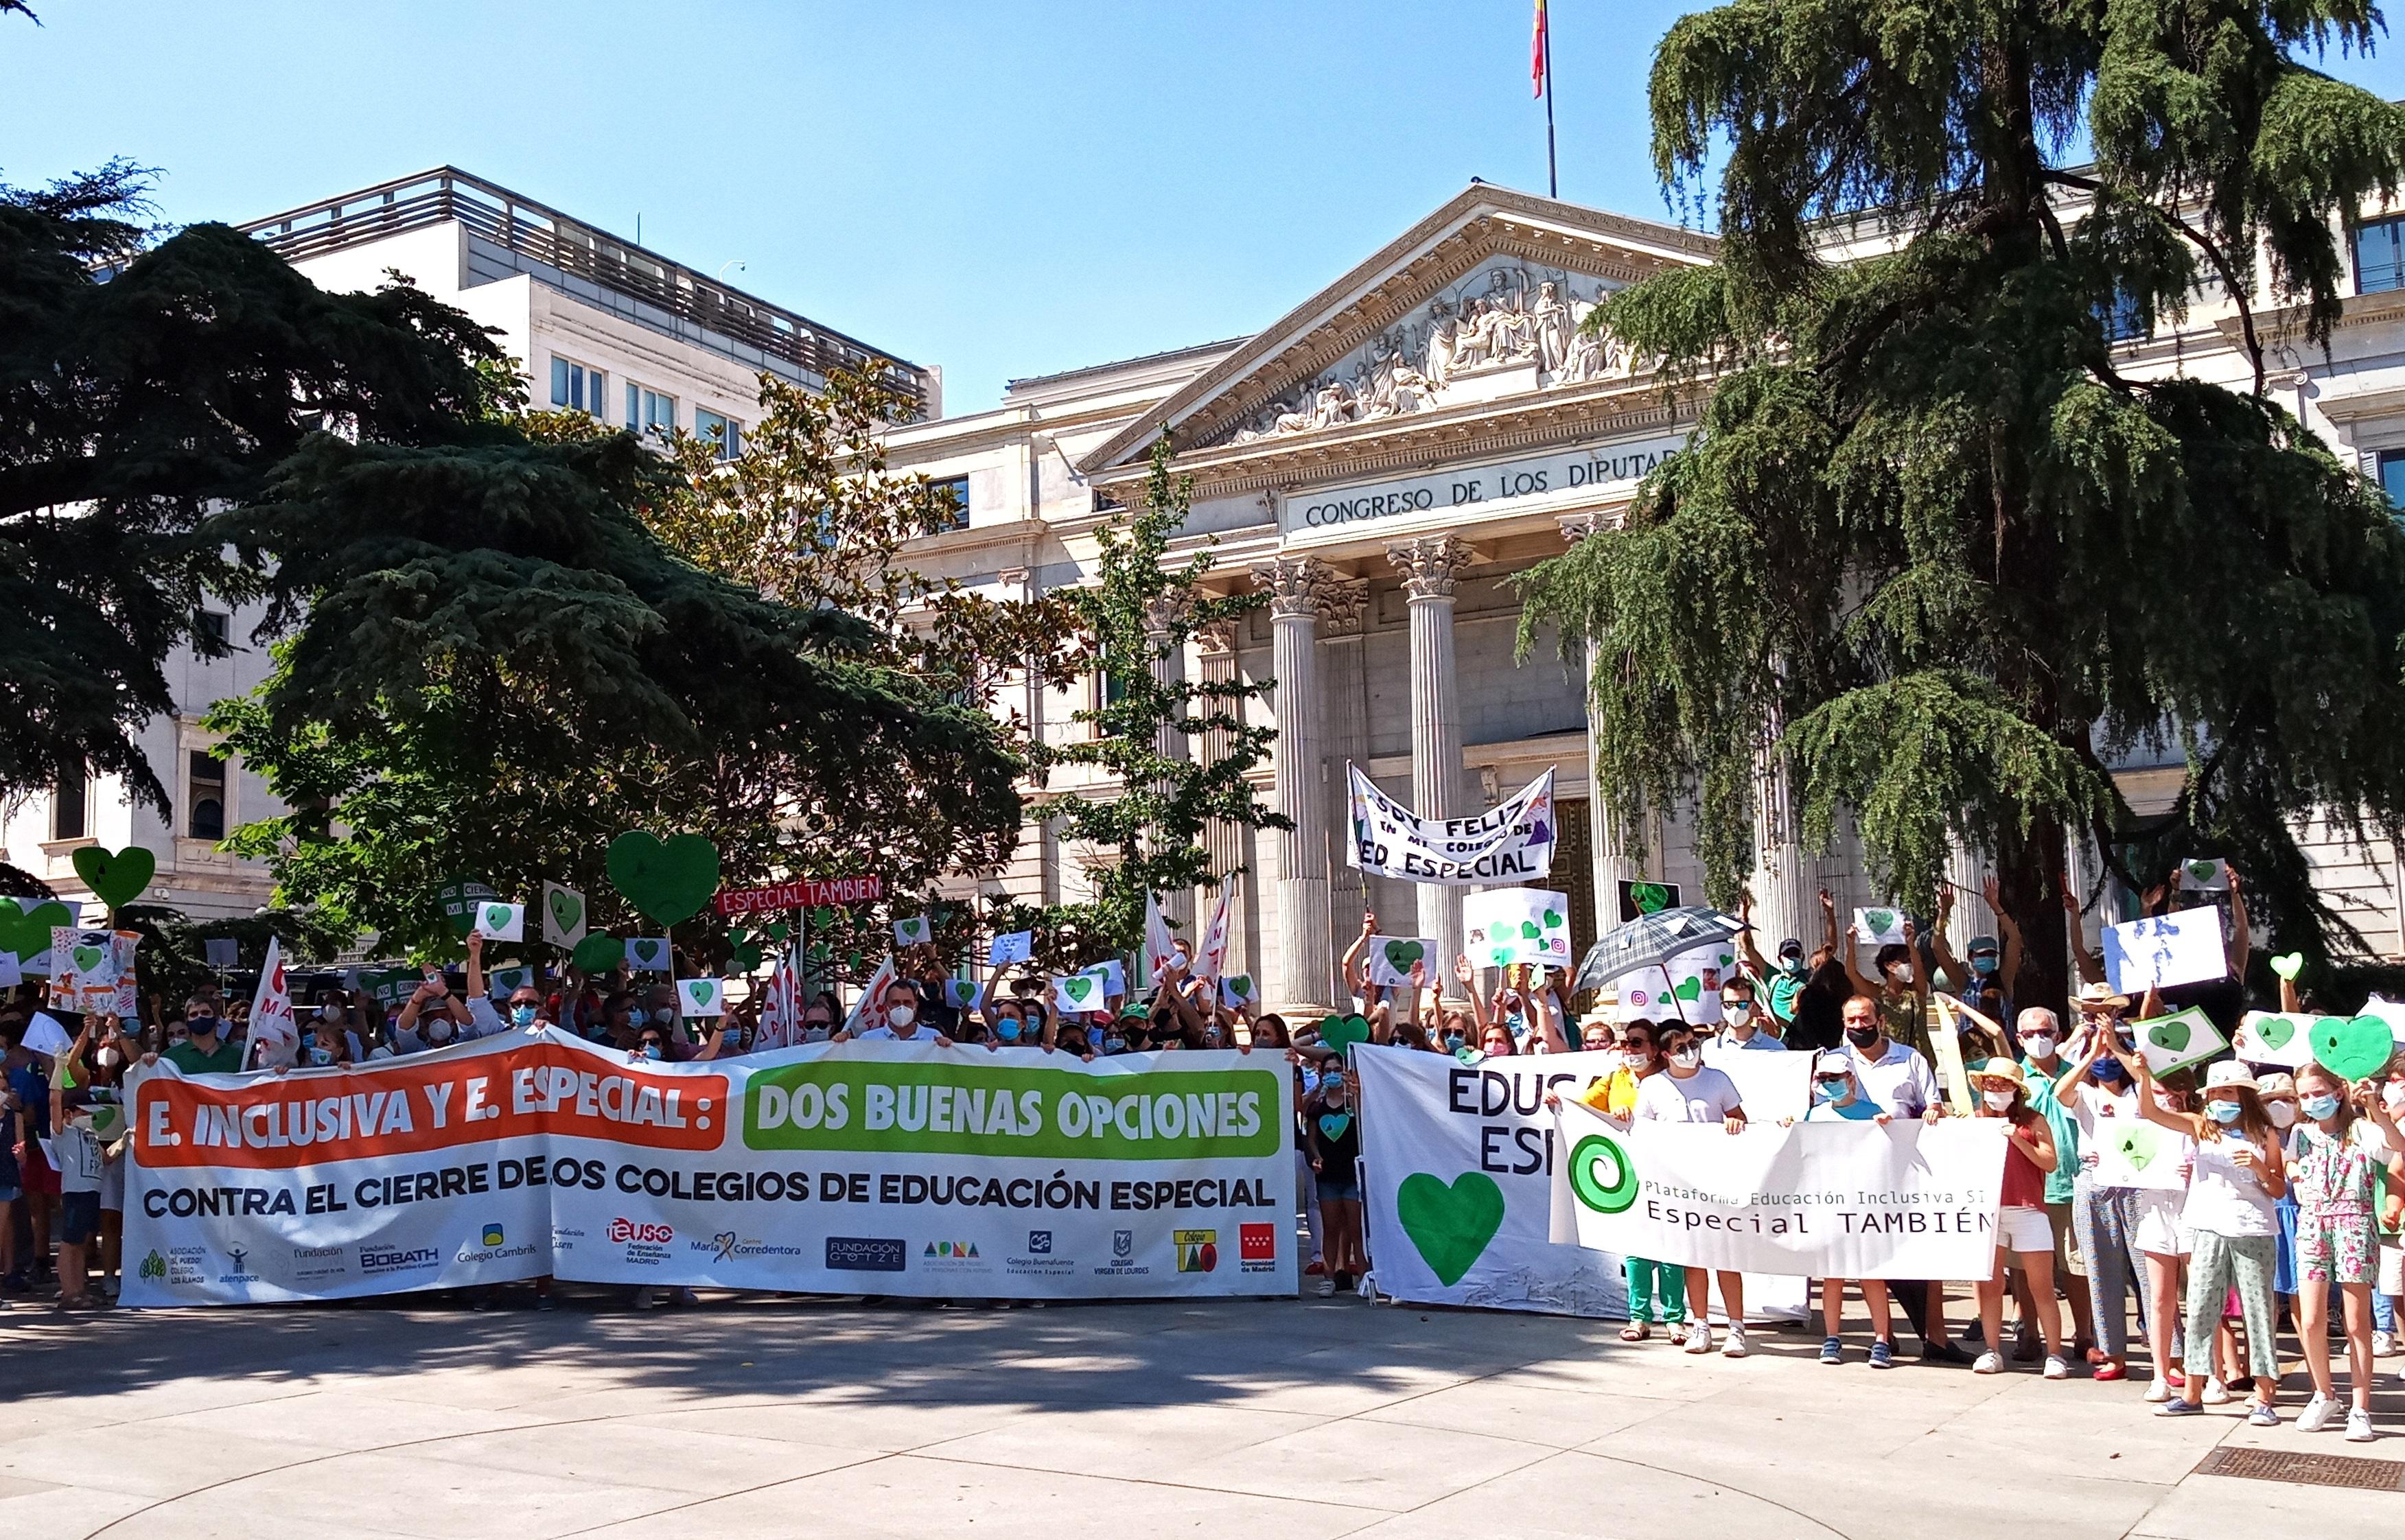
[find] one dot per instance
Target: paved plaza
(1255, 1420)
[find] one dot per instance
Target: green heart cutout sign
(2288, 964)
(1690, 988)
(27, 934)
(2171, 1035)
(1450, 1225)
(746, 957)
(1333, 1124)
(1079, 988)
(2276, 1032)
(2353, 1047)
(1650, 898)
(567, 909)
(1400, 955)
(777, 931)
(702, 990)
(1880, 920)
(598, 954)
(668, 880)
(116, 877)
(87, 959)
(1341, 1032)
(1241, 987)
(2137, 1147)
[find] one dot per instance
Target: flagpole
(1552, 177)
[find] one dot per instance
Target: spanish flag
(1536, 53)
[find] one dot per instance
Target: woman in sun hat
(2023, 1228)
(2234, 1193)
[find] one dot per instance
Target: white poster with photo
(2164, 950)
(1392, 959)
(1686, 989)
(1517, 925)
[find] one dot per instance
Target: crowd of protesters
(2287, 1219)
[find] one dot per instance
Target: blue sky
(1002, 187)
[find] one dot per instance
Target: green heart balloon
(1341, 1032)
(1450, 1225)
(116, 877)
(1400, 955)
(598, 954)
(668, 880)
(567, 909)
(27, 932)
(777, 931)
(2353, 1047)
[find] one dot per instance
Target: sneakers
(1991, 1362)
(2318, 1414)
(1699, 1338)
(2359, 1426)
(2217, 1394)
(2383, 1345)
(2159, 1391)
(2056, 1368)
(2179, 1405)
(1735, 1347)
(1882, 1355)
(1833, 1350)
(647, 1298)
(1326, 1287)
(2263, 1416)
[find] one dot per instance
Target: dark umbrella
(1651, 940)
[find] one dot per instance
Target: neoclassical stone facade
(1380, 462)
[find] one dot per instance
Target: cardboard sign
(1880, 926)
(1238, 991)
(501, 921)
(916, 931)
(1010, 946)
(1517, 925)
(2272, 1037)
(1391, 958)
(648, 954)
(2165, 950)
(701, 997)
(1089, 991)
(2177, 1040)
(564, 917)
(2204, 876)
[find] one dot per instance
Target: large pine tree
(1933, 542)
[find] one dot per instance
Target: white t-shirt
(1900, 1080)
(76, 1156)
(1706, 1096)
(919, 1032)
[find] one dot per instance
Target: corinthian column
(1609, 836)
(1430, 566)
(1303, 974)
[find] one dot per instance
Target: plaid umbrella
(1651, 940)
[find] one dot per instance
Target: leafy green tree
(1935, 545)
(141, 382)
(1163, 793)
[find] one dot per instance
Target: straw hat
(2102, 997)
(1999, 1069)
(2276, 1084)
(2230, 1072)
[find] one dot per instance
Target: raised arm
(476, 964)
(1913, 972)
(2185, 1123)
(2241, 937)
(1357, 975)
(1749, 946)
(1948, 963)
(1468, 976)
(2091, 964)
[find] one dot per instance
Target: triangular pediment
(1479, 301)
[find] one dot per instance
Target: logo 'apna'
(1601, 1175)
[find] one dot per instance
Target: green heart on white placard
(1079, 988)
(497, 915)
(567, 909)
(1880, 920)
(703, 991)
(87, 959)
(1241, 987)
(2201, 870)
(647, 950)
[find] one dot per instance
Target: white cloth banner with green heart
(1391, 958)
(701, 997)
(501, 921)
(1516, 925)
(563, 921)
(1511, 842)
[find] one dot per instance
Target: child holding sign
(2338, 1172)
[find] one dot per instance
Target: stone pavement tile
(2226, 1508)
(2077, 1429)
(1512, 1408)
(63, 1513)
(862, 1424)
(217, 1516)
(427, 1495)
(1654, 1369)
(1362, 1464)
(1577, 1494)
(1724, 1442)
(909, 1498)
(631, 1454)
(1117, 1438)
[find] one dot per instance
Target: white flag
(872, 996)
(274, 1036)
(1159, 944)
(1211, 960)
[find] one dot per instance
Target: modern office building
(598, 324)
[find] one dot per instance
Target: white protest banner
(2204, 876)
(2163, 950)
(1510, 842)
(1517, 925)
(1880, 926)
(2272, 1037)
(828, 1168)
(1392, 959)
(648, 954)
(1158, 944)
(274, 1036)
(780, 1009)
(701, 997)
(1457, 1164)
(1010, 946)
(2177, 1040)
(1903, 1200)
(501, 921)
(563, 916)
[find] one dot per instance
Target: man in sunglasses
(203, 1049)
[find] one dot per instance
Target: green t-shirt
(225, 1060)
(2066, 1133)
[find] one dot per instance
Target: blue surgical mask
(1835, 1088)
(1115, 1045)
(2225, 1113)
(1310, 1080)
(1983, 965)
(2320, 1107)
(650, 1050)
(521, 1015)
(2109, 1069)
(1453, 1041)
(1006, 1030)
(321, 1056)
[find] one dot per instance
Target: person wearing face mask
(1837, 1099)
(2389, 1211)
(899, 1018)
(431, 1016)
(485, 1018)
(2337, 1171)
(1595, 1037)
(1898, 1081)
(1742, 1029)
(1332, 1128)
(2117, 1220)
(1657, 1291)
(1690, 1091)
(1894, 984)
(2021, 1228)
(2237, 1178)
(205, 1050)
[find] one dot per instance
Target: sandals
(1635, 1331)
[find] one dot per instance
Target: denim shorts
(1344, 1188)
(79, 1217)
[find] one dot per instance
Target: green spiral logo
(1601, 1174)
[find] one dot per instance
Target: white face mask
(900, 1016)
(1688, 1058)
(2282, 1113)
(1637, 1059)
(438, 1030)
(2001, 1102)
(1895, 972)
(2040, 1045)
(110, 1058)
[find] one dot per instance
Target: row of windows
(205, 801)
(580, 388)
